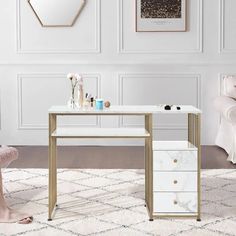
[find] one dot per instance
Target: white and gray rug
(111, 202)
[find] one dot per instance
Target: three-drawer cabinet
(175, 178)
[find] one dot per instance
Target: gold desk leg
(194, 137)
(191, 128)
(146, 163)
(197, 124)
(146, 170)
(149, 166)
(52, 166)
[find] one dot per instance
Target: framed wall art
(160, 15)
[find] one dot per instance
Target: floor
(99, 157)
(110, 202)
(109, 194)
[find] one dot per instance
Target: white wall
(118, 64)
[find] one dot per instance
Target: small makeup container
(91, 101)
(99, 104)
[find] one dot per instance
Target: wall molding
(117, 63)
(220, 81)
(30, 126)
(97, 43)
(220, 92)
(222, 47)
(120, 38)
(0, 110)
(220, 87)
(172, 126)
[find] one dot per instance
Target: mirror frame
(70, 25)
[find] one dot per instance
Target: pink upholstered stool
(7, 155)
(7, 215)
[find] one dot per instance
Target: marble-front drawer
(175, 181)
(174, 202)
(175, 160)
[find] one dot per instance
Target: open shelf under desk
(100, 133)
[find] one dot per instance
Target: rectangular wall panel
(154, 89)
(38, 92)
(130, 41)
(227, 26)
(83, 37)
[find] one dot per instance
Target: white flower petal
(70, 76)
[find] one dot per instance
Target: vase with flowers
(75, 80)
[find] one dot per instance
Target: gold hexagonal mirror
(57, 13)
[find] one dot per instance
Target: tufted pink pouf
(7, 155)
(7, 215)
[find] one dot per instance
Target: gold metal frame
(70, 25)
(52, 204)
(194, 137)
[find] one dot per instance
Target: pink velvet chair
(7, 215)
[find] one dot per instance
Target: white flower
(70, 76)
(79, 78)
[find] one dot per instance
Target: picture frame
(160, 15)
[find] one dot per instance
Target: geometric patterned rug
(111, 202)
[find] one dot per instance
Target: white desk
(144, 133)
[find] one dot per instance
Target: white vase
(71, 103)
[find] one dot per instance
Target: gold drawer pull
(175, 181)
(175, 160)
(175, 202)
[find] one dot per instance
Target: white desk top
(142, 109)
